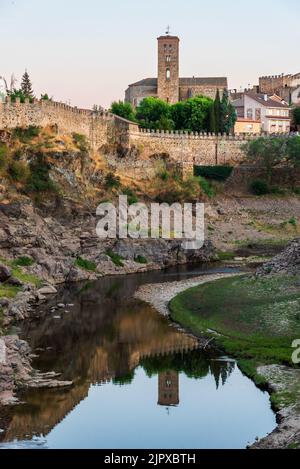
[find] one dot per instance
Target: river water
(139, 382)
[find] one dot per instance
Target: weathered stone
(5, 273)
(286, 262)
(47, 290)
(4, 302)
(15, 282)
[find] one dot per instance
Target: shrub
(17, 171)
(80, 141)
(141, 259)
(131, 196)
(84, 264)
(259, 187)
(39, 178)
(164, 175)
(112, 181)
(3, 155)
(206, 187)
(277, 190)
(217, 173)
(24, 261)
(25, 135)
(293, 221)
(116, 258)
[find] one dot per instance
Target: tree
(193, 114)
(228, 114)
(17, 93)
(267, 153)
(26, 86)
(293, 157)
(212, 119)
(296, 114)
(154, 113)
(124, 110)
(179, 113)
(217, 109)
(45, 97)
(9, 89)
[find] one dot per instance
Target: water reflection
(106, 338)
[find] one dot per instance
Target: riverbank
(207, 307)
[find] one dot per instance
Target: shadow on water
(133, 370)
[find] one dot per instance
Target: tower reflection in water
(168, 388)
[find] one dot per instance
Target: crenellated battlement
(100, 127)
(180, 134)
(49, 104)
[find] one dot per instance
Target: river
(139, 382)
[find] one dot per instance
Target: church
(168, 86)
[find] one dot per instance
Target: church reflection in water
(105, 338)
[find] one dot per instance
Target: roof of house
(269, 102)
(252, 121)
(220, 82)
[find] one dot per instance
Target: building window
(168, 74)
(249, 113)
(168, 58)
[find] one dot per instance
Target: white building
(271, 111)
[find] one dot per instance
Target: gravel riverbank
(160, 294)
(279, 379)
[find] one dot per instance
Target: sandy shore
(160, 294)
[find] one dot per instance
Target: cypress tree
(212, 118)
(217, 108)
(228, 114)
(26, 86)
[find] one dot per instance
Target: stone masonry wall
(99, 128)
(199, 149)
(138, 147)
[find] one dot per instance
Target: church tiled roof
(220, 82)
(146, 82)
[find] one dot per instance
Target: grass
(19, 273)
(141, 260)
(226, 255)
(23, 261)
(116, 258)
(8, 291)
(262, 243)
(258, 319)
(85, 264)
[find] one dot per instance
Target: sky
(87, 52)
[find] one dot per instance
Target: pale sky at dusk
(89, 51)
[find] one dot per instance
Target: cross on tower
(168, 30)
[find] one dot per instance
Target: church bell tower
(168, 68)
